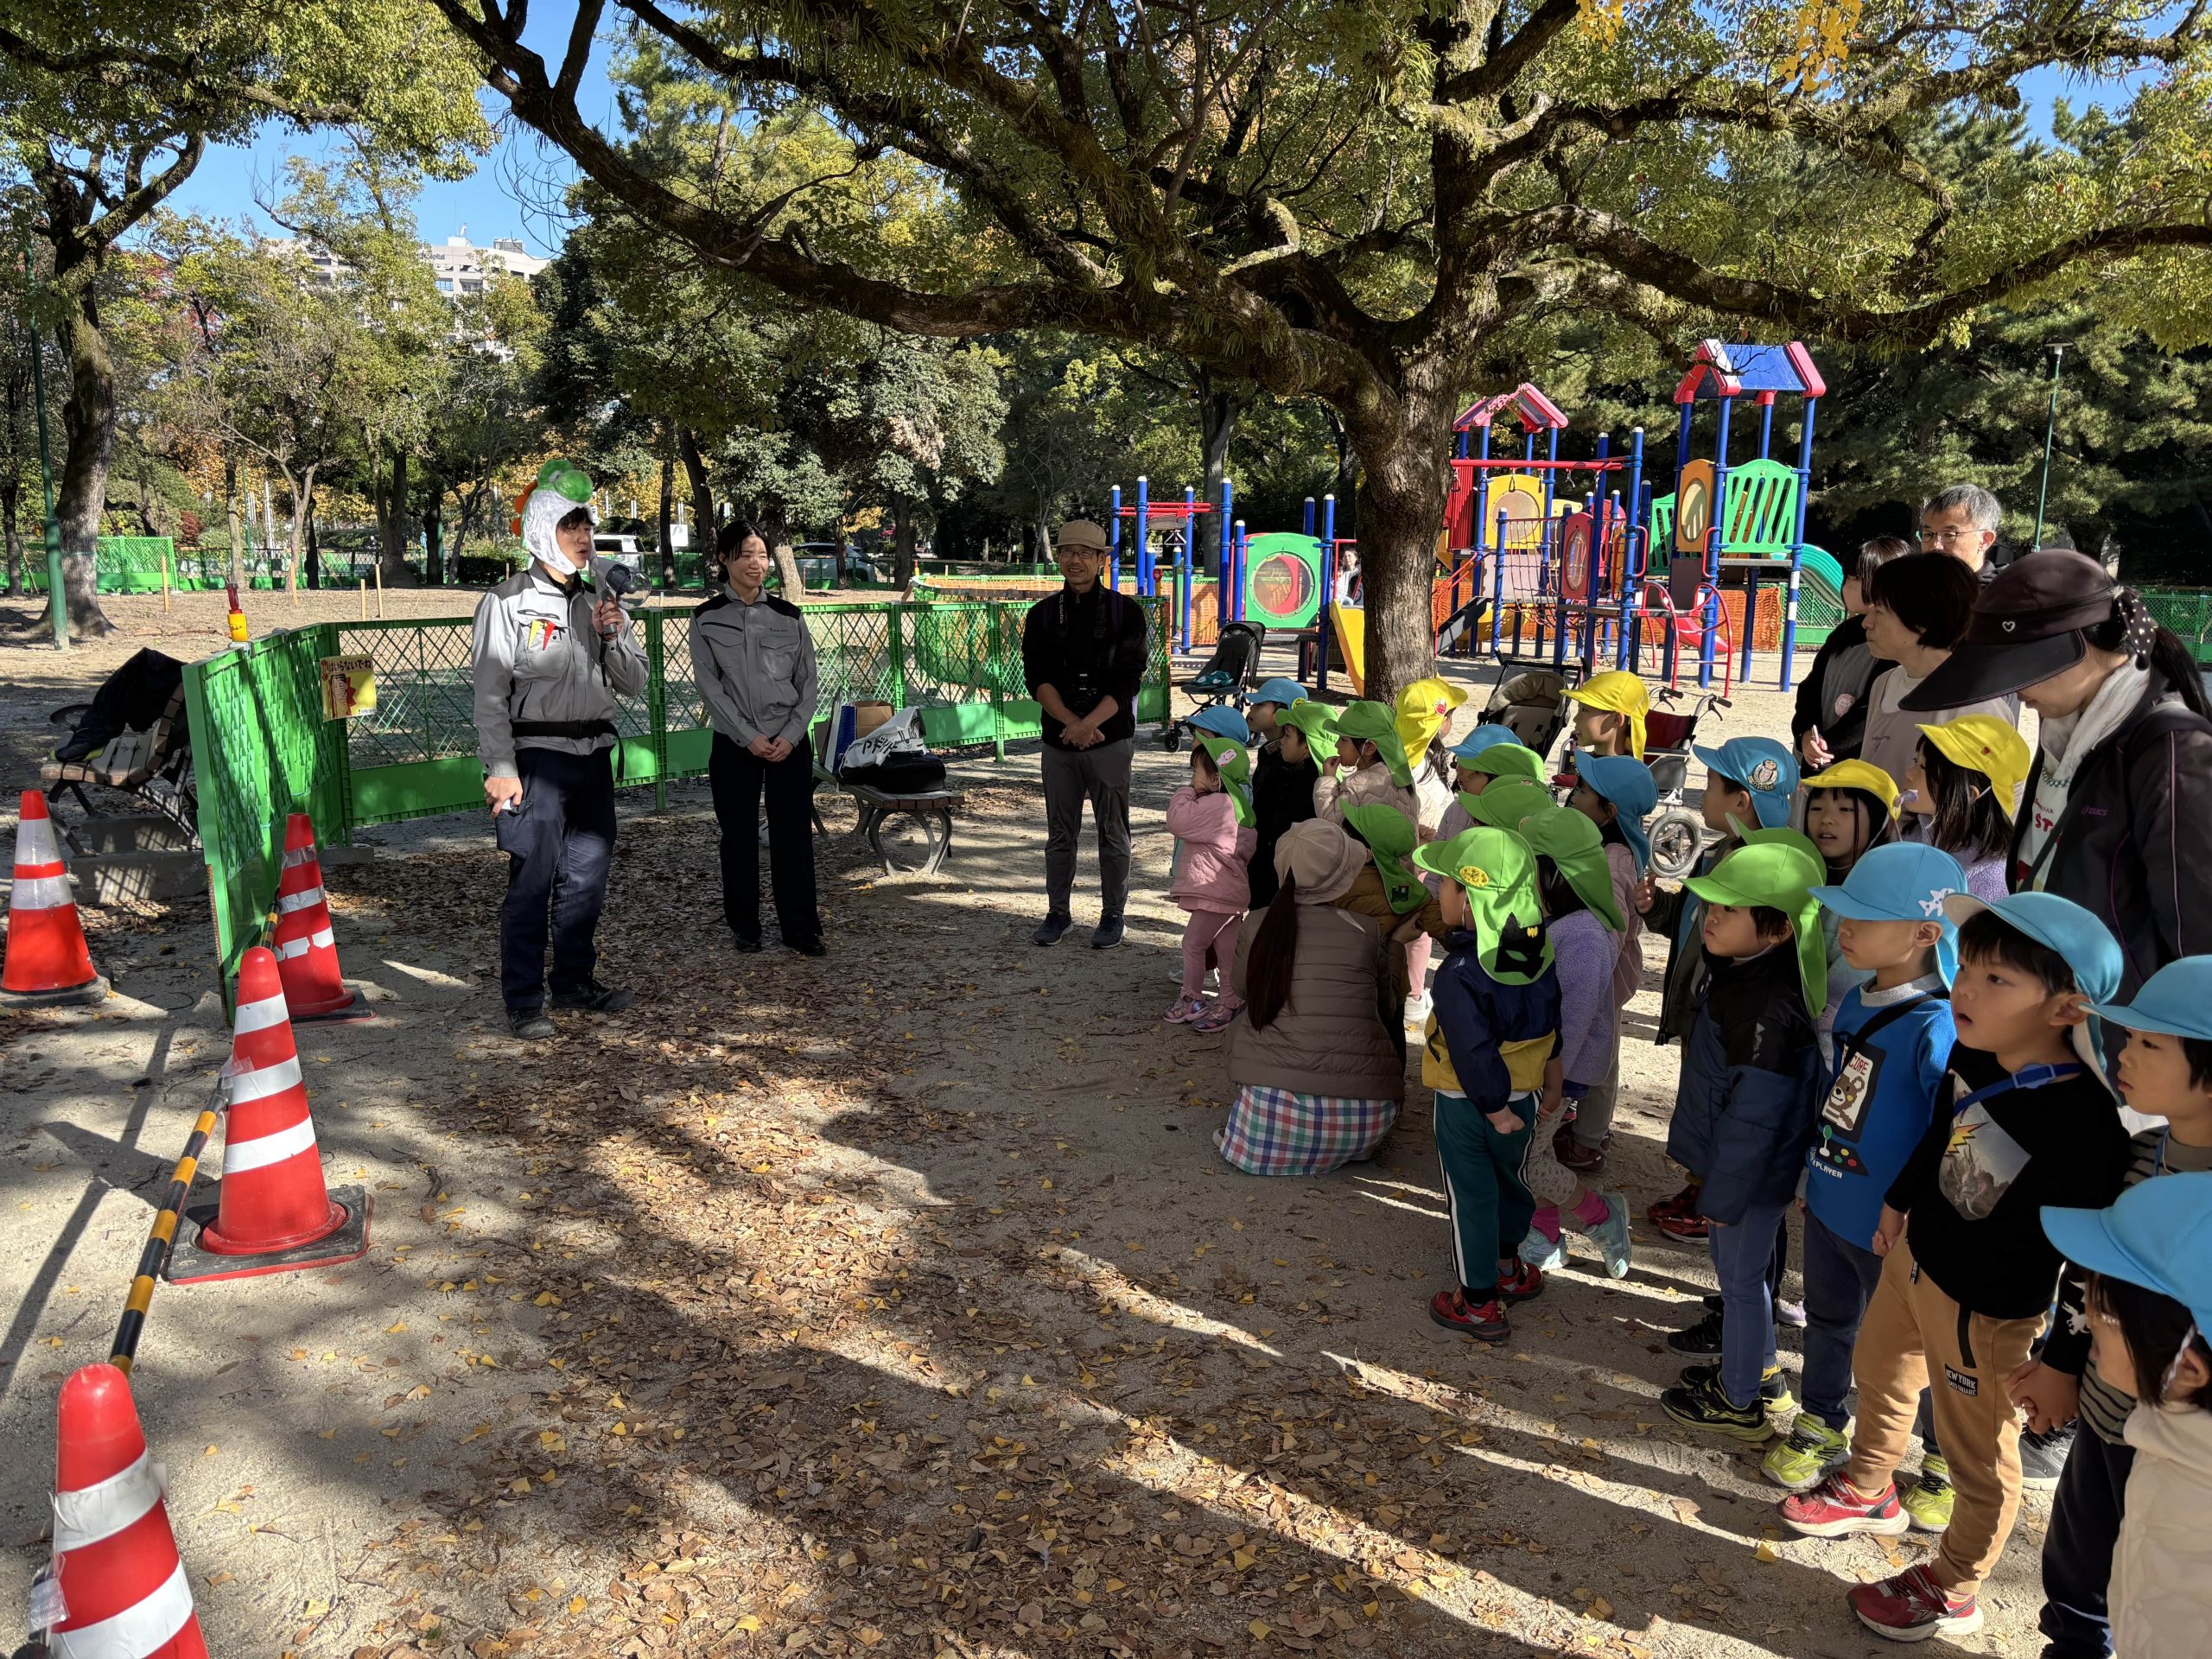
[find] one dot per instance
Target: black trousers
(2085, 1517)
(559, 842)
(740, 779)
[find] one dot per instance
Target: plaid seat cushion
(1275, 1132)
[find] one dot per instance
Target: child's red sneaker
(1484, 1322)
(1521, 1283)
(1688, 1202)
(1836, 1508)
(1912, 1606)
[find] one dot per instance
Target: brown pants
(1914, 1337)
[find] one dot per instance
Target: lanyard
(2032, 1077)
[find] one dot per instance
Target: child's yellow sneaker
(1808, 1457)
(1927, 1501)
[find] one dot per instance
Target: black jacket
(1282, 795)
(1833, 695)
(2134, 845)
(1087, 647)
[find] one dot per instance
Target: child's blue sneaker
(1611, 1235)
(1539, 1251)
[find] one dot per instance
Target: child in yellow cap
(1609, 709)
(1959, 791)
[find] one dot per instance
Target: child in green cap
(1745, 1113)
(1368, 766)
(1213, 838)
(1492, 1058)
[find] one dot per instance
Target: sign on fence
(349, 687)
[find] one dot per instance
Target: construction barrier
(414, 754)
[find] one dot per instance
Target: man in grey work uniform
(552, 653)
(1083, 654)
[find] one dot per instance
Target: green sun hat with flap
(1497, 873)
(1505, 803)
(1374, 722)
(1315, 722)
(1390, 835)
(1233, 761)
(1578, 848)
(1778, 869)
(1507, 760)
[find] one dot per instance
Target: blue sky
(516, 189)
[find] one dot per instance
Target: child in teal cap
(2149, 1306)
(1745, 1109)
(2165, 1071)
(1617, 793)
(2023, 1120)
(1749, 784)
(1892, 1039)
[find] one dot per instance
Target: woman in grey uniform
(754, 661)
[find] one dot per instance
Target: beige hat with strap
(1082, 532)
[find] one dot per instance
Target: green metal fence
(122, 564)
(262, 749)
(2188, 612)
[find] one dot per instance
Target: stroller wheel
(1677, 837)
(1171, 739)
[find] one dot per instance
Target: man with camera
(552, 652)
(1083, 654)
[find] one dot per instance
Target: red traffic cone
(305, 944)
(272, 1211)
(124, 1592)
(47, 961)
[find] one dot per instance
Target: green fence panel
(2186, 611)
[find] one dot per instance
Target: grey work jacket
(755, 667)
(538, 658)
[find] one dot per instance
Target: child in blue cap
(2024, 1120)
(1892, 1043)
(2149, 1306)
(1283, 789)
(1749, 784)
(1617, 793)
(2165, 1071)
(1221, 721)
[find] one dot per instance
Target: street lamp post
(2049, 427)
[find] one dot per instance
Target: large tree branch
(192, 76)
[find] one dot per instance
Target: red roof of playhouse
(1719, 371)
(1535, 412)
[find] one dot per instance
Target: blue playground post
(1482, 492)
(1114, 541)
(1309, 515)
(1766, 424)
(1459, 448)
(1599, 519)
(1711, 629)
(1798, 545)
(1220, 561)
(1143, 532)
(1549, 474)
(1632, 566)
(1497, 589)
(1328, 591)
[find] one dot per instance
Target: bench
(931, 811)
(134, 763)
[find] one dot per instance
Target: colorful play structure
(1566, 563)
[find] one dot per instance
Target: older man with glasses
(1961, 521)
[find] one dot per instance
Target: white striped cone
(46, 949)
(273, 1196)
(124, 1591)
(304, 943)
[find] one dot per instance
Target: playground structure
(1274, 578)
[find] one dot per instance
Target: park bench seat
(931, 811)
(133, 763)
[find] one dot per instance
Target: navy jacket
(1751, 1072)
(1487, 1040)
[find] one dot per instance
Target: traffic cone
(47, 961)
(305, 944)
(272, 1212)
(123, 1590)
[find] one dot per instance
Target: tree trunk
(433, 538)
(1404, 467)
(231, 506)
(702, 495)
(392, 525)
(1218, 411)
(902, 543)
(667, 516)
(11, 504)
(298, 489)
(315, 549)
(88, 419)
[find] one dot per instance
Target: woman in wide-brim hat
(2117, 811)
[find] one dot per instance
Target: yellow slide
(1350, 624)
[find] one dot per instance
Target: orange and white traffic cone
(121, 1589)
(305, 944)
(48, 963)
(272, 1211)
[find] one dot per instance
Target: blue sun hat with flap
(1903, 881)
(1627, 782)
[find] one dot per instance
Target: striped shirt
(2104, 1408)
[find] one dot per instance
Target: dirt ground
(896, 1302)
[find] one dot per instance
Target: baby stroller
(1532, 705)
(1677, 833)
(1224, 678)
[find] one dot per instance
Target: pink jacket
(1210, 864)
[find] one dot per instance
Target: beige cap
(1081, 532)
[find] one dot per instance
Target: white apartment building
(458, 266)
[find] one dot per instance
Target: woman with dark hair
(1917, 608)
(1318, 1062)
(752, 660)
(2117, 811)
(1831, 718)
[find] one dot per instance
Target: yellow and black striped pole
(155, 1256)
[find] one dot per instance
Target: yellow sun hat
(1618, 692)
(1862, 775)
(1423, 710)
(1988, 745)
